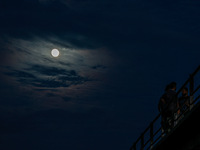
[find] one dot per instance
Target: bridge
(186, 133)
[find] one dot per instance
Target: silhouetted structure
(186, 133)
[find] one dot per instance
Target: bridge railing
(154, 132)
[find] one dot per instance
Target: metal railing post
(134, 146)
(191, 91)
(191, 102)
(151, 135)
(142, 141)
(191, 85)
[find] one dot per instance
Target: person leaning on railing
(167, 106)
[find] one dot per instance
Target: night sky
(102, 91)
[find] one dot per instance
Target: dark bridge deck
(185, 136)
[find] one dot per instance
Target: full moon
(55, 52)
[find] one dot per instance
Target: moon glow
(55, 52)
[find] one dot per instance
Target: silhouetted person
(184, 101)
(168, 106)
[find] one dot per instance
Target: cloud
(50, 71)
(66, 98)
(20, 74)
(67, 82)
(51, 95)
(26, 19)
(84, 24)
(81, 23)
(99, 67)
(47, 77)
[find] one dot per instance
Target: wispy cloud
(75, 74)
(45, 76)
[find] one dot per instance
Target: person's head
(185, 91)
(172, 86)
